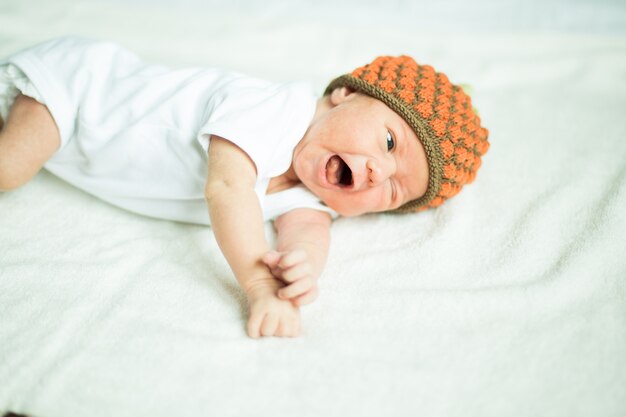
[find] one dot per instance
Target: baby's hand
(295, 269)
(269, 315)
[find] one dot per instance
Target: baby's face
(359, 156)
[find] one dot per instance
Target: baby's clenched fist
(295, 270)
(271, 316)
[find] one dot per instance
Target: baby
(214, 147)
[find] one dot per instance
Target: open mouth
(338, 172)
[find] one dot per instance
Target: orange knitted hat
(439, 112)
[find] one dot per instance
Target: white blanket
(510, 300)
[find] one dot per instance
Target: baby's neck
(287, 179)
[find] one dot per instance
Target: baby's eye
(391, 143)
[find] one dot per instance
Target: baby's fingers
(297, 272)
(306, 298)
(254, 325)
(290, 259)
(288, 329)
(271, 258)
(295, 289)
(270, 325)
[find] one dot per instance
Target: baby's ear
(340, 94)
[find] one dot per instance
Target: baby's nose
(378, 171)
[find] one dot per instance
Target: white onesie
(136, 135)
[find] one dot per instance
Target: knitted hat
(439, 112)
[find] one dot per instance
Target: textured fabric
(439, 112)
(509, 300)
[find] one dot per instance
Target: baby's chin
(327, 202)
(344, 210)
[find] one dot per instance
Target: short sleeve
(266, 120)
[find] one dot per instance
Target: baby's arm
(237, 221)
(302, 248)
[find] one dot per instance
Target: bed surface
(510, 300)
